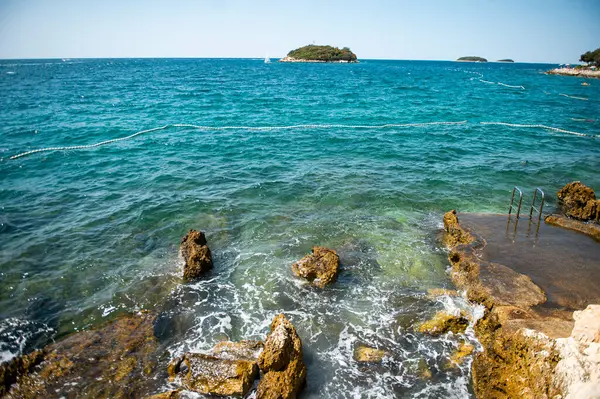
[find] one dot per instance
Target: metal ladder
(532, 208)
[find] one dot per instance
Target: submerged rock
(463, 351)
(366, 354)
(196, 255)
(579, 201)
(111, 362)
(444, 322)
(210, 375)
(281, 362)
(320, 267)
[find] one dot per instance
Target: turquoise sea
(87, 234)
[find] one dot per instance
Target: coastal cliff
(313, 53)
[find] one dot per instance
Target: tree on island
(591, 57)
(323, 53)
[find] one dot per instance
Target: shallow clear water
(87, 234)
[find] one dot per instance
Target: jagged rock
(281, 362)
(196, 255)
(110, 362)
(443, 322)
(454, 233)
(320, 267)
(210, 375)
(578, 201)
(366, 354)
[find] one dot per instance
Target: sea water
(88, 234)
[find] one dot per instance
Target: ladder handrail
(512, 200)
(537, 189)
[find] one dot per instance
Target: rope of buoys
(577, 98)
(514, 87)
(555, 129)
(248, 128)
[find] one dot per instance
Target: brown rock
(196, 254)
(504, 286)
(575, 197)
(591, 229)
(210, 375)
(320, 267)
(443, 322)
(281, 362)
(366, 354)
(454, 233)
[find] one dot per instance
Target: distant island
(314, 53)
(472, 59)
(590, 70)
(506, 60)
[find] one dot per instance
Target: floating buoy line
(289, 127)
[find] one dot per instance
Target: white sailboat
(267, 59)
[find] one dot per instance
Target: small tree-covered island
(472, 59)
(314, 53)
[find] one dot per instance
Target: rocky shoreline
(530, 350)
(292, 59)
(580, 72)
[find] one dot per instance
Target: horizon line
(258, 58)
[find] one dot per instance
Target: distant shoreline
(579, 72)
(292, 59)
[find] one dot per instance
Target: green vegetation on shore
(323, 53)
(472, 59)
(506, 60)
(591, 57)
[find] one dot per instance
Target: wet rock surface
(229, 369)
(320, 267)
(444, 322)
(590, 229)
(196, 254)
(114, 361)
(211, 375)
(281, 362)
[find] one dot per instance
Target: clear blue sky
(525, 30)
